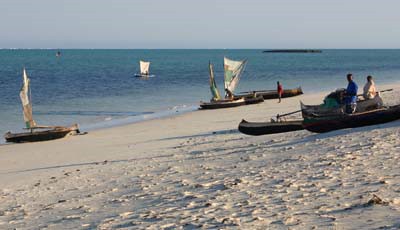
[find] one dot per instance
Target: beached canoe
(264, 128)
(321, 124)
(46, 135)
(272, 94)
(321, 110)
(221, 104)
(253, 100)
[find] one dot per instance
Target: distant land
(293, 51)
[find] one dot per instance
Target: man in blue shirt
(351, 95)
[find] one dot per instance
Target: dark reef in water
(293, 51)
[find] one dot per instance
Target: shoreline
(195, 169)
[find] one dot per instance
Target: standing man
(351, 95)
(280, 91)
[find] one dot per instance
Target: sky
(208, 24)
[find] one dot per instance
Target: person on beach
(350, 97)
(369, 89)
(280, 91)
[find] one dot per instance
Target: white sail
(26, 102)
(232, 72)
(144, 68)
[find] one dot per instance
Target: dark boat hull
(222, 104)
(40, 135)
(143, 76)
(254, 100)
(264, 128)
(293, 51)
(272, 94)
(331, 123)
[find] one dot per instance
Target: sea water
(97, 88)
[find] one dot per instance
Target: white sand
(196, 170)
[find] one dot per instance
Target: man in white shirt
(369, 89)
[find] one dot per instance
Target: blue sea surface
(95, 87)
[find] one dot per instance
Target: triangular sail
(26, 102)
(144, 67)
(232, 72)
(213, 86)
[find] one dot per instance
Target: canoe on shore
(221, 104)
(272, 94)
(264, 128)
(46, 135)
(253, 100)
(322, 124)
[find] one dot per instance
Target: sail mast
(25, 95)
(213, 86)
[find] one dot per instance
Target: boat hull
(222, 104)
(265, 128)
(143, 76)
(344, 121)
(35, 136)
(253, 100)
(272, 94)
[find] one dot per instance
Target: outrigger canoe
(220, 104)
(232, 72)
(46, 135)
(264, 128)
(322, 124)
(272, 94)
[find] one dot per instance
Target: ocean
(97, 88)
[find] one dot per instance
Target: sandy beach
(196, 170)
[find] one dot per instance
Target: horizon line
(60, 48)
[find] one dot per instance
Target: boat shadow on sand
(86, 164)
(321, 136)
(219, 132)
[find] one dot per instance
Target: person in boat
(350, 96)
(369, 89)
(229, 94)
(280, 91)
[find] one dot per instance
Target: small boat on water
(48, 133)
(232, 72)
(264, 128)
(144, 69)
(272, 94)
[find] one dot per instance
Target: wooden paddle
(287, 114)
(382, 91)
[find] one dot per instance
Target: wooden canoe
(221, 104)
(253, 100)
(46, 135)
(321, 110)
(264, 128)
(329, 123)
(272, 94)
